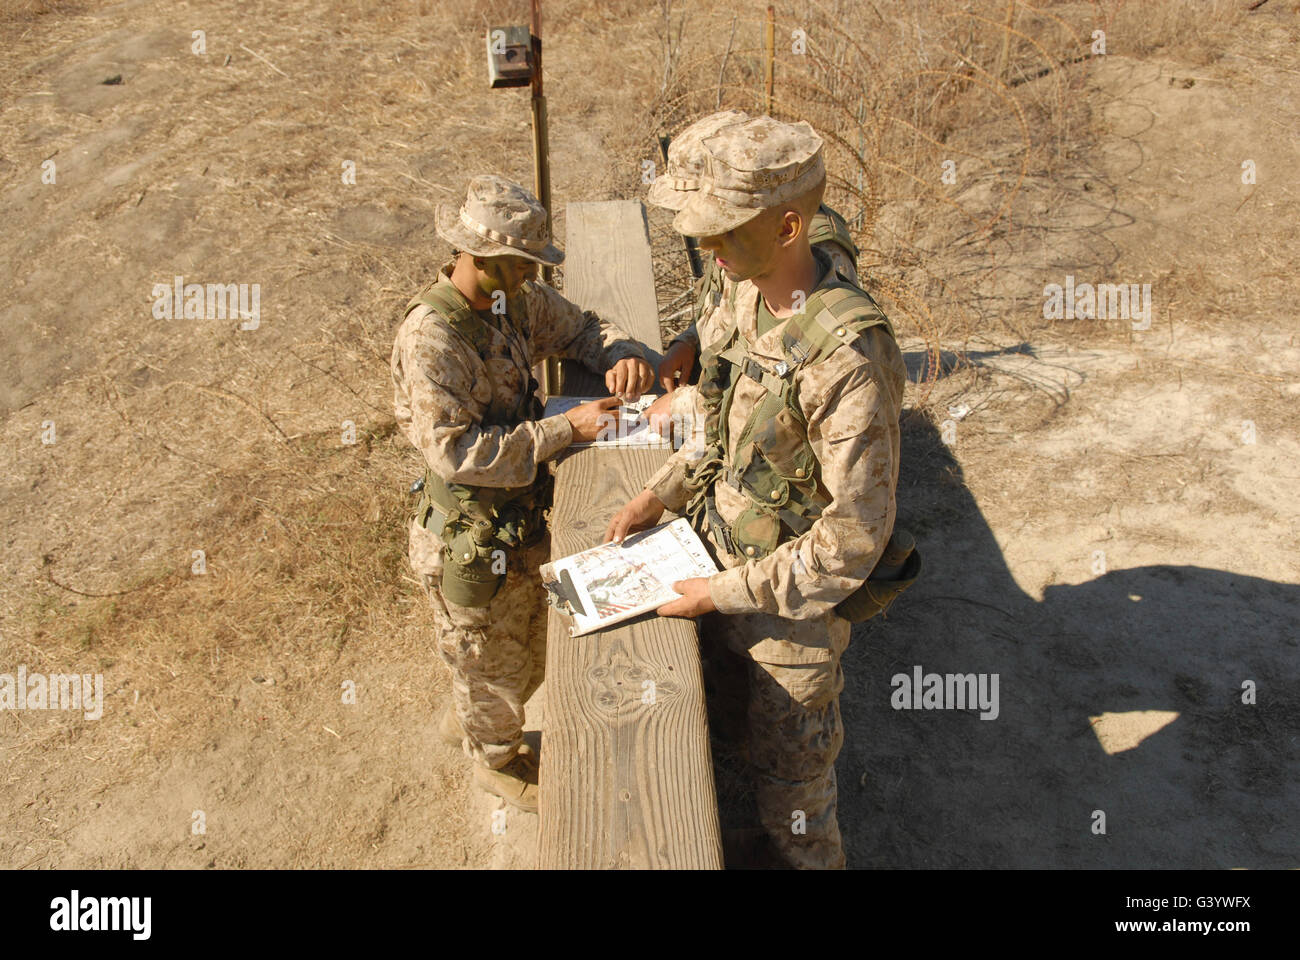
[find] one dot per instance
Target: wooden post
(547, 373)
(769, 45)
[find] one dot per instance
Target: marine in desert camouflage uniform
(827, 232)
(464, 396)
(775, 604)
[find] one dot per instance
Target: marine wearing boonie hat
(748, 167)
(498, 219)
(464, 396)
(681, 178)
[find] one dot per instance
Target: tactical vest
(774, 465)
(478, 525)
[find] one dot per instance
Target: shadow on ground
(1214, 787)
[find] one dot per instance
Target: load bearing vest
(478, 524)
(774, 465)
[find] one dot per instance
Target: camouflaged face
(748, 167)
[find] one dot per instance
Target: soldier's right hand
(589, 419)
(676, 366)
(640, 513)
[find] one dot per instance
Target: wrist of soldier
(729, 593)
(555, 434)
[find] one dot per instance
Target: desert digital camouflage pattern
(852, 401)
(781, 617)
(790, 727)
(686, 160)
(749, 166)
(777, 611)
(460, 410)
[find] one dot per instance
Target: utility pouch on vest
(756, 532)
(467, 571)
(897, 570)
(474, 558)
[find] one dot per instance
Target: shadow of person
(1148, 718)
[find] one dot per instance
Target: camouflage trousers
(786, 716)
(496, 654)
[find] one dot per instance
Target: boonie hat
(498, 219)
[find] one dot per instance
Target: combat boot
(515, 783)
(450, 731)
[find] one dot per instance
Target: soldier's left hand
(629, 378)
(695, 599)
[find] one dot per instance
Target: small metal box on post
(510, 57)
(515, 60)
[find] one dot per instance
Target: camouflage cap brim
(489, 243)
(664, 193)
(703, 215)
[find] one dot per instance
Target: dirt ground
(1108, 515)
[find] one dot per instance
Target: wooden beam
(607, 268)
(625, 783)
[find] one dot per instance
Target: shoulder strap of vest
(448, 303)
(828, 226)
(836, 313)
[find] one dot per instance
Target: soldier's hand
(640, 513)
(659, 416)
(676, 366)
(695, 599)
(589, 419)
(629, 378)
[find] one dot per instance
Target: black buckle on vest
(718, 525)
(752, 370)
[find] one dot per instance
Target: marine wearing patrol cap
(749, 166)
(794, 485)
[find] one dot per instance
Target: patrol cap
(686, 160)
(750, 166)
(499, 218)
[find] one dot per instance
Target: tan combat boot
(450, 731)
(515, 783)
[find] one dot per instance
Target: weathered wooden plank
(607, 260)
(624, 782)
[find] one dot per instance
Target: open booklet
(613, 582)
(626, 428)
